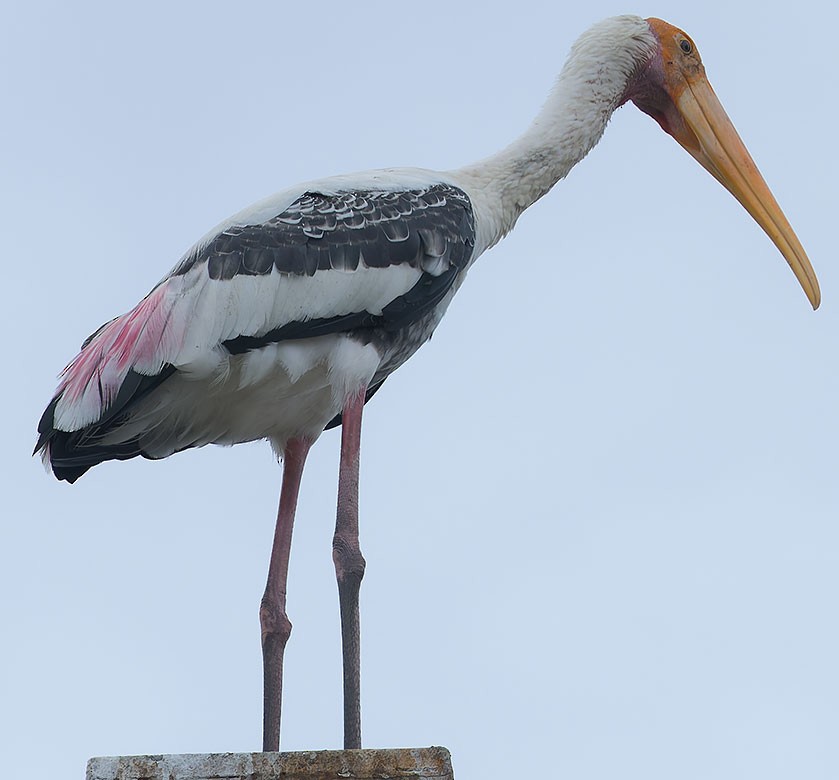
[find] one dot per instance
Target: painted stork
(286, 318)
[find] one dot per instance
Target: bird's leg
(349, 566)
(275, 624)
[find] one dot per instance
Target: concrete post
(433, 763)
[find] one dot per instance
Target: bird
(284, 320)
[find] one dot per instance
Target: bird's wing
(327, 262)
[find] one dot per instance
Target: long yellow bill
(725, 156)
(697, 120)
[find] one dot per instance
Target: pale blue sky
(599, 510)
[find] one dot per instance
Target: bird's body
(288, 316)
(262, 332)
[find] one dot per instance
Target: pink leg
(349, 566)
(276, 626)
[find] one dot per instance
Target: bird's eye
(685, 46)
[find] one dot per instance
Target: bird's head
(673, 89)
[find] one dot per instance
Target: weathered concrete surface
(433, 763)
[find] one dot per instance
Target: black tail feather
(72, 453)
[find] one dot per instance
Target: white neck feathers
(590, 87)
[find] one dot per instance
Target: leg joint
(274, 621)
(349, 562)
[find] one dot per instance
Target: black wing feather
(316, 231)
(431, 229)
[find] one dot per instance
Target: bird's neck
(513, 179)
(590, 87)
